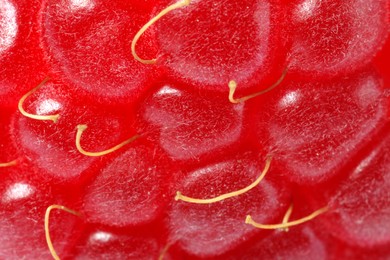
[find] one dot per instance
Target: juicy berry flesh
(154, 158)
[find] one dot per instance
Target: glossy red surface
(326, 127)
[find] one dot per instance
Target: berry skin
(51, 145)
(344, 35)
(88, 45)
(361, 205)
(130, 175)
(101, 242)
(198, 47)
(298, 243)
(170, 114)
(6, 139)
(24, 198)
(343, 114)
(20, 51)
(214, 228)
(112, 157)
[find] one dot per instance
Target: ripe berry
(21, 57)
(334, 37)
(88, 46)
(215, 227)
(169, 115)
(51, 145)
(132, 178)
(208, 43)
(24, 197)
(217, 130)
(314, 127)
(361, 205)
(102, 242)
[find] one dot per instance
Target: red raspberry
(218, 130)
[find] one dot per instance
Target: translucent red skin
(86, 228)
(78, 68)
(381, 62)
(23, 57)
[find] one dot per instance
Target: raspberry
(168, 116)
(69, 28)
(194, 129)
(361, 207)
(99, 242)
(297, 243)
(24, 199)
(206, 59)
(344, 35)
(20, 51)
(213, 228)
(52, 145)
(315, 152)
(130, 175)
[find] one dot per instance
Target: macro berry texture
(86, 44)
(344, 35)
(194, 129)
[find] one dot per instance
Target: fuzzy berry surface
(138, 154)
